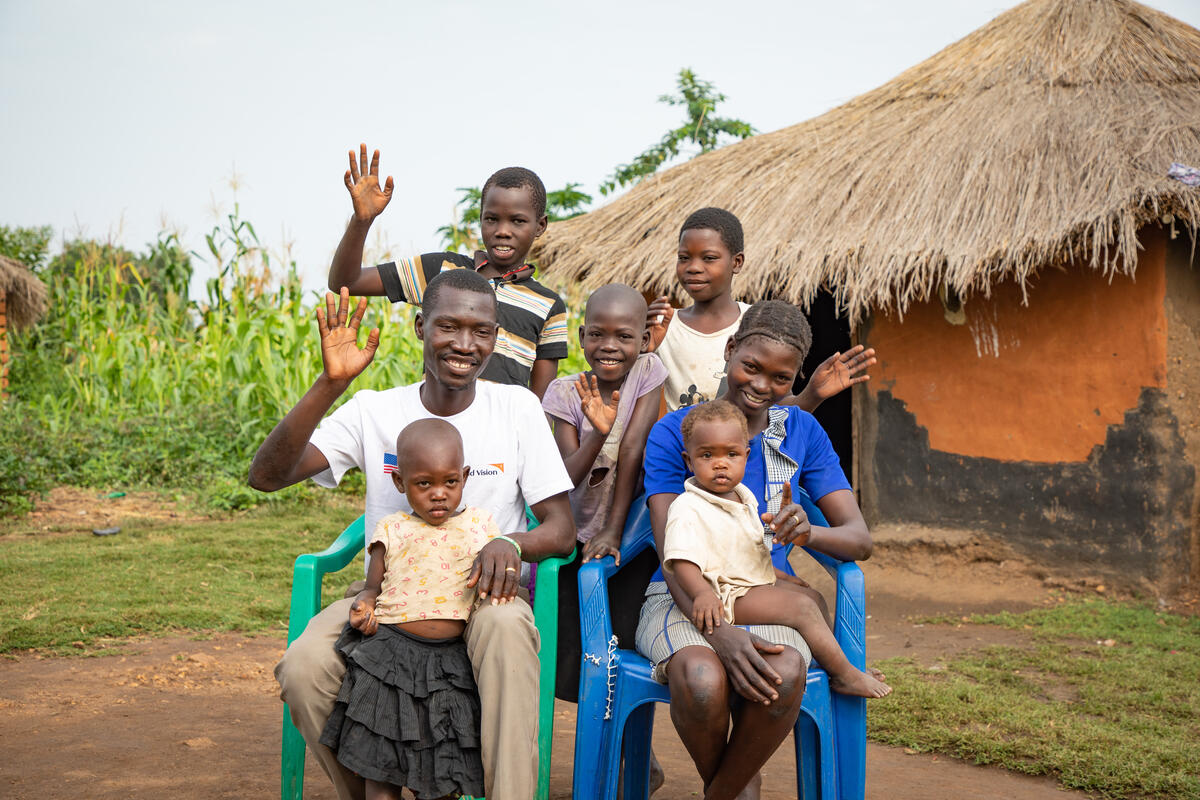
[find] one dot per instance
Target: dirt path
(177, 715)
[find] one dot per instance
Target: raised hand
(340, 353)
(658, 316)
(363, 184)
(841, 371)
(790, 525)
(602, 414)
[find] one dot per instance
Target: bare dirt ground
(201, 717)
(70, 509)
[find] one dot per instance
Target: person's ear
(419, 326)
(541, 225)
(581, 327)
(687, 461)
(738, 261)
(466, 473)
(645, 338)
(398, 480)
(729, 349)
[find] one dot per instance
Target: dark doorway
(831, 334)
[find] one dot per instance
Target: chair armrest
(595, 625)
(311, 567)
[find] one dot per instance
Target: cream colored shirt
(695, 361)
(724, 538)
(426, 567)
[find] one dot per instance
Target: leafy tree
(566, 202)
(702, 128)
(30, 246)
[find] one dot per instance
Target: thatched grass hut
(999, 223)
(22, 302)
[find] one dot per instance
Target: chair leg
(291, 760)
(635, 746)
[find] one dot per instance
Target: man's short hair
(727, 226)
(466, 279)
(517, 178)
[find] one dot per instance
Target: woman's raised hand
(602, 414)
(363, 184)
(841, 371)
(790, 525)
(340, 353)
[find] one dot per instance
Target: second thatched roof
(26, 295)
(1041, 137)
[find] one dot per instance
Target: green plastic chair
(306, 602)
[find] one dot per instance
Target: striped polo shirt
(532, 318)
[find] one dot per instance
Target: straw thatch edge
(26, 294)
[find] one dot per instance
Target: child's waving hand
(363, 184)
(601, 414)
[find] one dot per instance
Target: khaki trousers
(502, 644)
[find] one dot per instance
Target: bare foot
(876, 674)
(859, 684)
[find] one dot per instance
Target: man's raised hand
(340, 353)
(363, 184)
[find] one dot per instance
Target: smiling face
(716, 454)
(509, 222)
(431, 475)
(459, 334)
(705, 267)
(614, 332)
(759, 373)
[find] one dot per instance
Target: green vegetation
(1106, 698)
(66, 592)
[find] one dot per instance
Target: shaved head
(616, 297)
(429, 442)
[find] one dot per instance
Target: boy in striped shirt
(533, 319)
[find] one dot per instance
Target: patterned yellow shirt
(426, 567)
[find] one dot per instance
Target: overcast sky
(121, 118)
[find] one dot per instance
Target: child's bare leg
(777, 605)
(819, 599)
(383, 791)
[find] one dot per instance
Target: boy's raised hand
(601, 414)
(340, 353)
(363, 184)
(841, 371)
(658, 317)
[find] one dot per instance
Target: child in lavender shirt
(601, 420)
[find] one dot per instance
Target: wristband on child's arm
(513, 542)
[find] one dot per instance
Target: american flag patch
(389, 463)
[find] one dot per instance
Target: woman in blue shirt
(765, 665)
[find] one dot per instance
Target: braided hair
(727, 226)
(776, 320)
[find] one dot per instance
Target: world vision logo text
(490, 469)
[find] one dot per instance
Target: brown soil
(201, 717)
(67, 509)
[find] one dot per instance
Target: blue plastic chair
(306, 602)
(616, 693)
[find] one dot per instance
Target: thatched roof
(26, 294)
(1044, 135)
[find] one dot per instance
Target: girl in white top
(691, 342)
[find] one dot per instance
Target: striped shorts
(663, 630)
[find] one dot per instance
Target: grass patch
(63, 592)
(1117, 720)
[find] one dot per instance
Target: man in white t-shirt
(513, 461)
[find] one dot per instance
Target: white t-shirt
(695, 361)
(506, 442)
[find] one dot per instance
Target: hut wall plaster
(1058, 431)
(1183, 363)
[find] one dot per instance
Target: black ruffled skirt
(407, 713)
